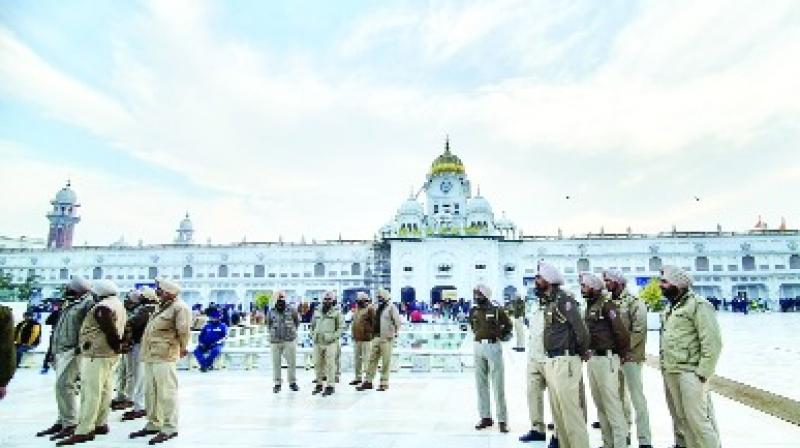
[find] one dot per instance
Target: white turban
(384, 294)
(614, 275)
(148, 293)
(329, 294)
(483, 289)
(676, 276)
(169, 286)
(80, 285)
(591, 281)
(362, 296)
(279, 293)
(105, 288)
(134, 295)
(550, 274)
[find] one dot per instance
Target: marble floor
(238, 409)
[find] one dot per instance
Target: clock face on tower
(446, 186)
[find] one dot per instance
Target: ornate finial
(447, 144)
(479, 190)
(69, 182)
(187, 214)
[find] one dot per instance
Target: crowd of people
(97, 337)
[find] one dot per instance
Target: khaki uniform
(609, 338)
(165, 337)
(518, 306)
(326, 330)
(66, 361)
(565, 339)
(97, 363)
(536, 363)
(283, 343)
(489, 324)
(362, 328)
(634, 315)
(690, 347)
(388, 324)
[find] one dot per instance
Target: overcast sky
(316, 118)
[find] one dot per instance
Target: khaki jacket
(633, 312)
(363, 323)
(326, 328)
(690, 339)
(92, 341)
(389, 322)
(167, 333)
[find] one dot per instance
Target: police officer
(386, 325)
(282, 323)
(8, 355)
(535, 371)
(362, 329)
(566, 340)
(608, 339)
(78, 300)
(123, 373)
(518, 307)
(100, 342)
(690, 347)
(210, 341)
(633, 312)
(165, 340)
(137, 324)
(326, 330)
(490, 325)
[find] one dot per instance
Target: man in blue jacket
(210, 341)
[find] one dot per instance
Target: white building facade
(450, 243)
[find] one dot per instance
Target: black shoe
(354, 382)
(503, 427)
(645, 446)
(317, 389)
(328, 391)
(276, 388)
(484, 423)
(294, 387)
(55, 429)
(596, 425)
(553, 442)
(533, 436)
(364, 386)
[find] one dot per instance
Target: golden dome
(447, 162)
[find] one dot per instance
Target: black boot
(276, 388)
(328, 391)
(533, 436)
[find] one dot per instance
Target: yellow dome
(447, 163)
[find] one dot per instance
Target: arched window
(701, 264)
(188, 272)
(748, 263)
(152, 272)
(655, 264)
(794, 262)
(63, 274)
(319, 270)
(258, 270)
(97, 273)
(355, 269)
(222, 271)
(584, 265)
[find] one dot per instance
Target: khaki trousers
(536, 388)
(693, 409)
(632, 373)
(604, 374)
(136, 368)
(489, 367)
(677, 428)
(361, 358)
(519, 332)
(287, 351)
(381, 350)
(67, 367)
(96, 378)
(564, 375)
(325, 362)
(124, 379)
(161, 396)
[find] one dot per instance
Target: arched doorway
(509, 292)
(408, 294)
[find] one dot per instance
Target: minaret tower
(185, 231)
(63, 218)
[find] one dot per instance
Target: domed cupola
(447, 162)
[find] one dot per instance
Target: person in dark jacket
(210, 341)
(27, 335)
(7, 353)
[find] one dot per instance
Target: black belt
(490, 340)
(603, 352)
(559, 352)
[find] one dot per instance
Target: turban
(676, 276)
(105, 288)
(169, 286)
(384, 294)
(362, 296)
(591, 281)
(148, 293)
(279, 293)
(134, 295)
(616, 276)
(483, 289)
(80, 285)
(550, 274)
(329, 295)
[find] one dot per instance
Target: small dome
(504, 223)
(478, 204)
(447, 162)
(410, 207)
(186, 224)
(66, 196)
